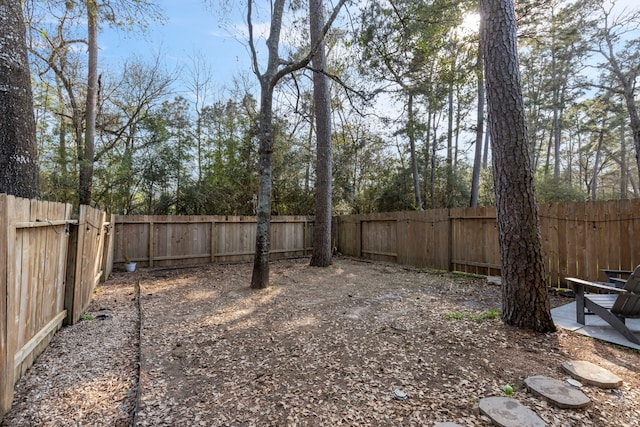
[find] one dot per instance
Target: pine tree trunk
(19, 173)
(525, 301)
(321, 98)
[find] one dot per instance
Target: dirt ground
(320, 347)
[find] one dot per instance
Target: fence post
(6, 355)
(70, 276)
(359, 237)
(450, 242)
(151, 239)
(214, 240)
(107, 252)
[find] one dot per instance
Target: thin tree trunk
(624, 179)
(547, 164)
(596, 163)
(487, 142)
(525, 301)
(477, 160)
(86, 162)
(432, 177)
(427, 160)
(449, 183)
(322, 101)
(18, 147)
(556, 115)
(411, 133)
(62, 146)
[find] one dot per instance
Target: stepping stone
(557, 392)
(592, 374)
(507, 412)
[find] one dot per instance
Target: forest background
(406, 88)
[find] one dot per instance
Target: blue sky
(192, 29)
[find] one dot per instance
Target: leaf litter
(320, 346)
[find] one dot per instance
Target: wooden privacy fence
(160, 241)
(49, 265)
(579, 239)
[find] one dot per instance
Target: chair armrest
(592, 285)
(614, 274)
(606, 270)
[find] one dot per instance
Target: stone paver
(592, 374)
(507, 412)
(557, 392)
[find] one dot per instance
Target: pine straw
(319, 347)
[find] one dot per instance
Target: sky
(192, 29)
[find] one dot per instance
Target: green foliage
(485, 315)
(487, 190)
(556, 190)
(162, 155)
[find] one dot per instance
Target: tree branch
(292, 67)
(252, 47)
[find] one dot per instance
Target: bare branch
(252, 47)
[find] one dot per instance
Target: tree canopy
(404, 87)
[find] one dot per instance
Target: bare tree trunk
(19, 173)
(624, 179)
(260, 276)
(322, 101)
(596, 164)
(432, 176)
(449, 195)
(477, 160)
(411, 133)
(525, 301)
(86, 162)
(268, 81)
(547, 163)
(556, 116)
(487, 143)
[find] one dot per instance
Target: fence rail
(579, 239)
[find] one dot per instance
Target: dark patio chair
(614, 306)
(616, 276)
